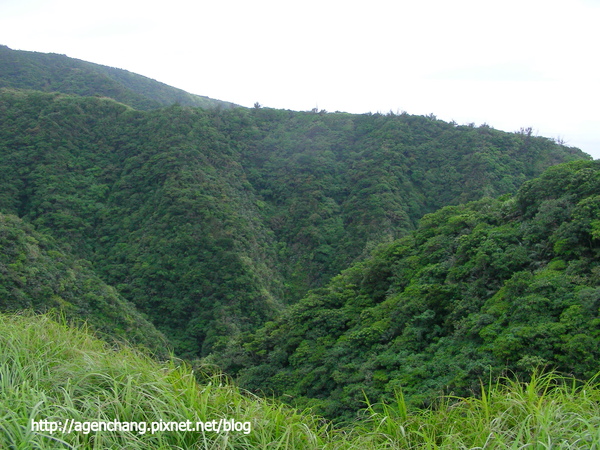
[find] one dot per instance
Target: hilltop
(50, 72)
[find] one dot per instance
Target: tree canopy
(477, 290)
(211, 221)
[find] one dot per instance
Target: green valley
(211, 221)
(37, 275)
(379, 269)
(478, 290)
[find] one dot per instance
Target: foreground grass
(547, 412)
(49, 371)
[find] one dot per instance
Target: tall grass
(547, 412)
(50, 371)
(53, 372)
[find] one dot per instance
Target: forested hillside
(496, 285)
(156, 201)
(37, 275)
(211, 221)
(336, 185)
(50, 72)
(362, 265)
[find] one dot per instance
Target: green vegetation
(303, 252)
(51, 372)
(35, 274)
(477, 289)
(50, 72)
(155, 201)
(337, 185)
(549, 411)
(210, 222)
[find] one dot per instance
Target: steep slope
(155, 200)
(490, 286)
(211, 221)
(50, 72)
(337, 185)
(36, 275)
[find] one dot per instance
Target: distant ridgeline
(477, 290)
(212, 221)
(50, 72)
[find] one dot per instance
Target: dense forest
(324, 258)
(36, 274)
(495, 285)
(210, 221)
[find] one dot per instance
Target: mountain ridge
(476, 291)
(212, 221)
(55, 72)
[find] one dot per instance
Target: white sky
(510, 63)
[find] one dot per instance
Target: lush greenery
(478, 289)
(336, 185)
(155, 201)
(211, 221)
(36, 274)
(51, 372)
(50, 72)
(228, 229)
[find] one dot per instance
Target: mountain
(334, 186)
(212, 221)
(332, 260)
(477, 290)
(50, 72)
(155, 201)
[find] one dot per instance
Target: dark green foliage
(50, 72)
(36, 274)
(156, 200)
(493, 285)
(211, 221)
(337, 185)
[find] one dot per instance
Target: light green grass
(51, 371)
(547, 412)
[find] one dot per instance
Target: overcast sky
(510, 63)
